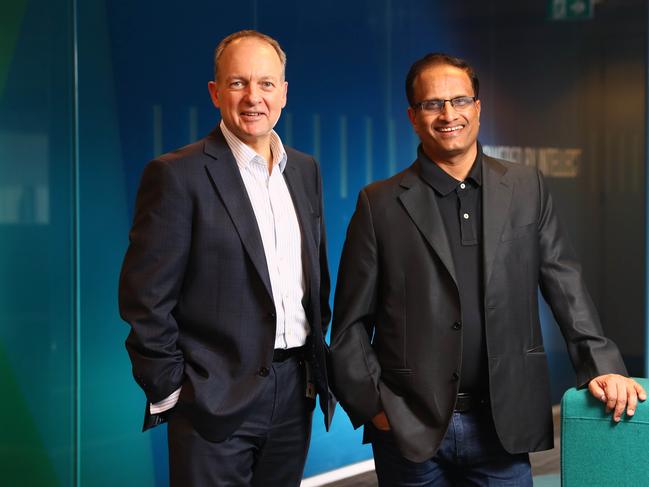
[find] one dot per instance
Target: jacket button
(455, 376)
(457, 325)
(263, 371)
(272, 315)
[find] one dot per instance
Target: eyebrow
(242, 77)
(451, 98)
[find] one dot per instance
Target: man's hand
(380, 422)
(618, 392)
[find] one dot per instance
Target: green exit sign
(570, 9)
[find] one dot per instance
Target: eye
(432, 105)
(236, 84)
(267, 85)
(462, 101)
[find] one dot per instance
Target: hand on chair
(618, 392)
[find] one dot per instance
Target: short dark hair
(432, 59)
(218, 52)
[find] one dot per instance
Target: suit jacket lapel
(305, 218)
(497, 195)
(225, 176)
(420, 203)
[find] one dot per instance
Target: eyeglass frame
(420, 105)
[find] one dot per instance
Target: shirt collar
(245, 155)
(440, 180)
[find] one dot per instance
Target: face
(450, 134)
(250, 90)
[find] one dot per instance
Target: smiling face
(450, 135)
(250, 90)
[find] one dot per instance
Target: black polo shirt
(460, 204)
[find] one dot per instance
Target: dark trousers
(268, 449)
(470, 455)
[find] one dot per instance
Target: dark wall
(576, 85)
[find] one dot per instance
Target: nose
(447, 111)
(252, 94)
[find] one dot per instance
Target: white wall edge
(338, 474)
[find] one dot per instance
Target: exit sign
(570, 9)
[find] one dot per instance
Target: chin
(455, 146)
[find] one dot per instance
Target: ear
(412, 115)
(477, 107)
(285, 88)
(214, 93)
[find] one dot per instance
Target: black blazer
(195, 288)
(394, 346)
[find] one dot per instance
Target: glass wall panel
(36, 244)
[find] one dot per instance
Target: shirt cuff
(166, 404)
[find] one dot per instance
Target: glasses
(436, 106)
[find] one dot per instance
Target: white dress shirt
(281, 238)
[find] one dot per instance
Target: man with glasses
(436, 339)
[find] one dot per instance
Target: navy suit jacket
(195, 287)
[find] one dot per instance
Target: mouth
(447, 130)
(251, 115)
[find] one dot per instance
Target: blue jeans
(470, 455)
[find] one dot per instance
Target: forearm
(356, 374)
(356, 368)
(151, 279)
(563, 287)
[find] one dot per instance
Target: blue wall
(142, 91)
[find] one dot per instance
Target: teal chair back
(595, 451)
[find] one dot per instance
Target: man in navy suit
(225, 285)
